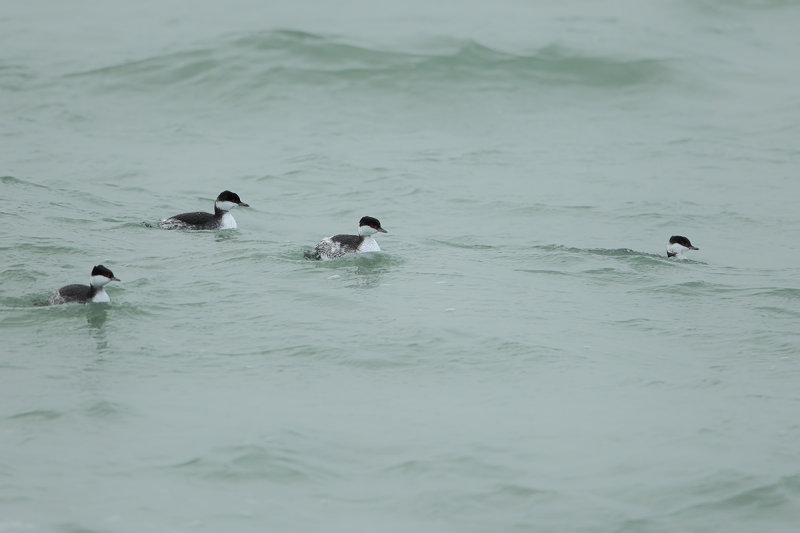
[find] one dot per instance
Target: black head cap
(228, 196)
(100, 270)
(683, 241)
(372, 222)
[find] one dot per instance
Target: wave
(742, 495)
(14, 78)
(251, 461)
(292, 57)
(14, 181)
(621, 255)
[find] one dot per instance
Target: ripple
(245, 463)
(753, 498)
(38, 414)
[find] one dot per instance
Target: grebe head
(100, 276)
(679, 244)
(369, 226)
(227, 200)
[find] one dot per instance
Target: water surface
(520, 357)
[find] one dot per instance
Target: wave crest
(292, 57)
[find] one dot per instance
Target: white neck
(227, 222)
(101, 296)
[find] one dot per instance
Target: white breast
(369, 245)
(227, 222)
(101, 296)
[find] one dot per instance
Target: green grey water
(522, 356)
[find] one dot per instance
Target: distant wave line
(297, 57)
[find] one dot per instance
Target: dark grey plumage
(198, 220)
(338, 245)
(76, 293)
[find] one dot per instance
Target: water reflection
(362, 271)
(221, 236)
(368, 276)
(96, 316)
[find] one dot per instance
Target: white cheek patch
(225, 206)
(367, 230)
(98, 281)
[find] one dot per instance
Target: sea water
(521, 356)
